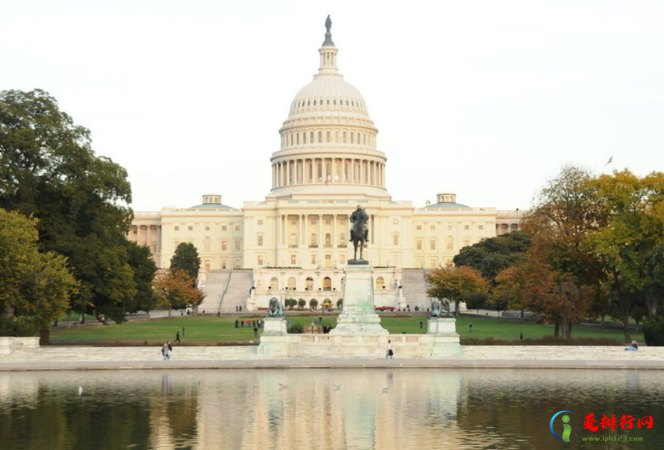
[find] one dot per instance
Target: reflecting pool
(326, 409)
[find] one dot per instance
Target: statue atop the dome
(328, 34)
(359, 233)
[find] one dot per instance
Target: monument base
(275, 326)
(446, 341)
(274, 339)
(358, 316)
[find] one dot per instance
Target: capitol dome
(328, 138)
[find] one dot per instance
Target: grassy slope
(212, 329)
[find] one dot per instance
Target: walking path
(237, 357)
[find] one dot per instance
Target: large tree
(35, 287)
(49, 170)
(455, 283)
(492, 255)
(144, 268)
(186, 258)
(174, 289)
(630, 245)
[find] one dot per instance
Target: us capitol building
(295, 243)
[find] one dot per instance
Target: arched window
(207, 244)
(312, 137)
(314, 239)
(395, 239)
(293, 239)
(449, 241)
(342, 239)
(432, 244)
(304, 138)
(380, 283)
(297, 137)
(351, 137)
(224, 246)
(328, 135)
(344, 137)
(309, 284)
(328, 239)
(320, 137)
(292, 284)
(327, 284)
(274, 284)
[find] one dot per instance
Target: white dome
(329, 93)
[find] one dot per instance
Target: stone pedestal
(275, 326)
(442, 326)
(446, 341)
(274, 339)
(358, 316)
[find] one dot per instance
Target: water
(248, 409)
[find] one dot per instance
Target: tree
(174, 289)
(186, 258)
(492, 255)
(35, 287)
(507, 294)
(629, 245)
(301, 303)
(144, 269)
(49, 171)
(340, 303)
(477, 300)
(455, 283)
(313, 303)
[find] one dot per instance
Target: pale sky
(486, 99)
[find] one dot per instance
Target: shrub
(653, 332)
(296, 328)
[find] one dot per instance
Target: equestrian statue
(359, 232)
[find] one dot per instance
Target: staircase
(415, 288)
(237, 292)
(214, 288)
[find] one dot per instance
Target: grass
(212, 330)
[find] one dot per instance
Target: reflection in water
(376, 409)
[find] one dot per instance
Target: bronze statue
(440, 308)
(359, 232)
(328, 23)
(275, 309)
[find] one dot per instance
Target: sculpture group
(275, 309)
(440, 308)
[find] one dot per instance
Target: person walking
(470, 327)
(166, 352)
(421, 324)
(390, 352)
(521, 336)
(177, 336)
(255, 331)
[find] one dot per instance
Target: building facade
(296, 241)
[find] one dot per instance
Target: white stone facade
(296, 240)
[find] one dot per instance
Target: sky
(484, 99)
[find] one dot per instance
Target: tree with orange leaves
(455, 283)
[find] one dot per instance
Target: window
(466, 227)
(223, 263)
(274, 283)
(327, 283)
(313, 258)
(292, 284)
(293, 259)
(380, 283)
(395, 239)
(450, 242)
(223, 228)
(433, 227)
(293, 240)
(191, 228)
(237, 245)
(237, 227)
(260, 260)
(342, 239)
(314, 239)
(260, 221)
(433, 263)
(260, 240)
(480, 227)
(432, 244)
(309, 284)
(177, 228)
(328, 260)
(418, 245)
(328, 239)
(419, 228)
(466, 241)
(224, 246)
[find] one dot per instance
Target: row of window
(207, 228)
(326, 102)
(309, 284)
(432, 227)
(296, 138)
(207, 244)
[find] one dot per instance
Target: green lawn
(212, 329)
